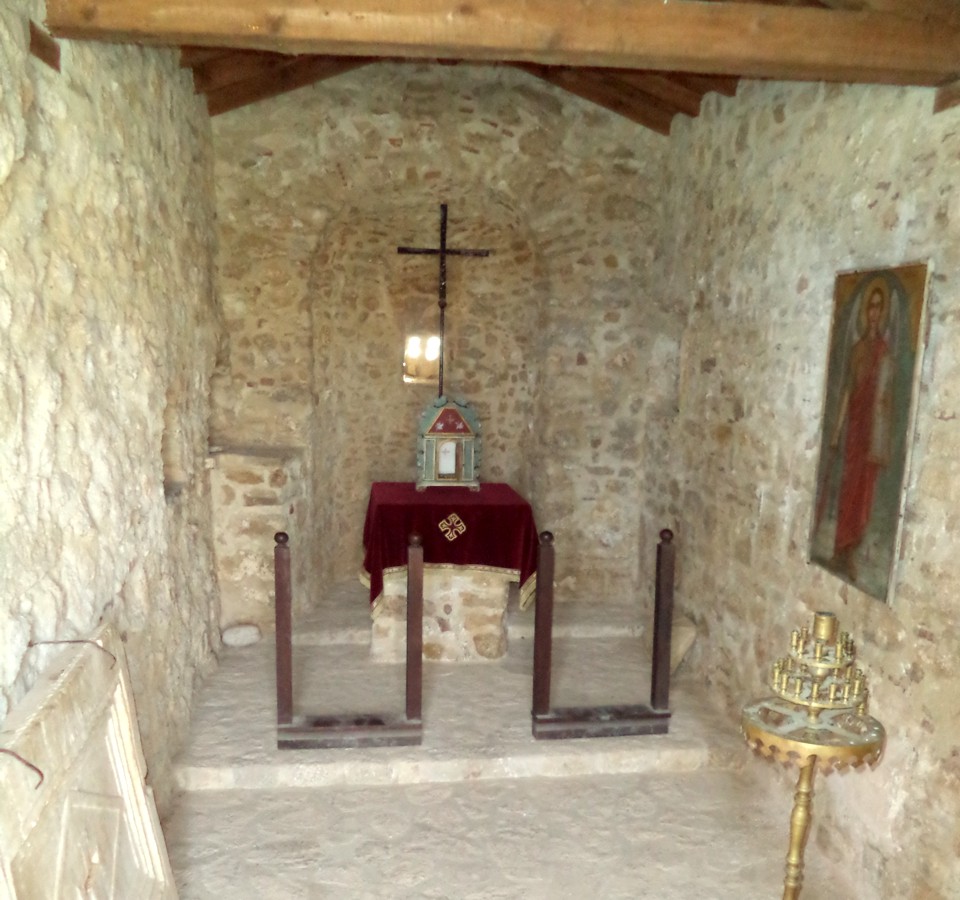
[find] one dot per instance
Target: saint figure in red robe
(865, 413)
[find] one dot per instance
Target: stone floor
(480, 810)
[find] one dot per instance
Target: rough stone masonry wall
(561, 338)
(108, 336)
(772, 194)
(254, 496)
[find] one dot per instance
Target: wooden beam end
(947, 96)
(44, 47)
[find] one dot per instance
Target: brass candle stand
(817, 718)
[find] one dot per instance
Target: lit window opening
(421, 359)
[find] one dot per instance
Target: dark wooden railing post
(346, 729)
(602, 721)
(543, 626)
(414, 628)
(663, 622)
(283, 602)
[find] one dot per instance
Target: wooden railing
(602, 721)
(349, 729)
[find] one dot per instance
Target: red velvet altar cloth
(492, 527)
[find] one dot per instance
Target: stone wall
(254, 494)
(108, 333)
(771, 194)
(561, 339)
(650, 350)
(368, 297)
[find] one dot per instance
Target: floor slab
(698, 835)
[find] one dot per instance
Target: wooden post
(415, 628)
(662, 622)
(602, 721)
(281, 577)
(543, 626)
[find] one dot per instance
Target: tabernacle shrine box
(448, 448)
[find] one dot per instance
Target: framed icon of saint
(873, 366)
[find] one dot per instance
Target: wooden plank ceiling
(648, 60)
(231, 78)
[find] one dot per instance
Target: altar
(476, 543)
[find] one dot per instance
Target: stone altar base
(464, 615)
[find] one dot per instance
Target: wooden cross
(443, 251)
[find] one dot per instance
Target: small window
(421, 359)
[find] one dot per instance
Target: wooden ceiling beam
(298, 72)
(922, 10)
(747, 39)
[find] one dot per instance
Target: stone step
(343, 617)
(476, 719)
(313, 633)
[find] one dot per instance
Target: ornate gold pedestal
(817, 719)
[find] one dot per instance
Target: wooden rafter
(705, 84)
(44, 47)
(252, 82)
(235, 78)
(601, 88)
(662, 88)
(651, 99)
(237, 66)
(747, 39)
(195, 56)
(948, 96)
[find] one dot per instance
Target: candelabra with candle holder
(817, 719)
